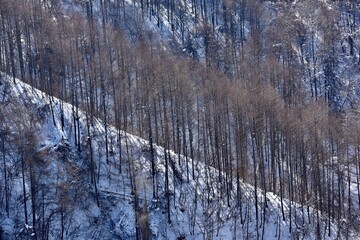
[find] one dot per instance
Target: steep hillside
(246, 112)
(316, 41)
(74, 192)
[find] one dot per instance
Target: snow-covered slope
(320, 37)
(76, 192)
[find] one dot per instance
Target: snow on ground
(198, 207)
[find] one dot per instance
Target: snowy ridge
(198, 209)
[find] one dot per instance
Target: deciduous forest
(239, 102)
